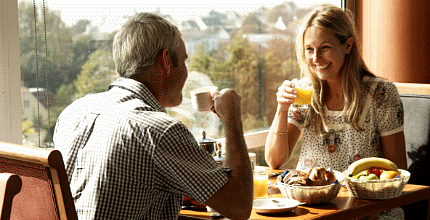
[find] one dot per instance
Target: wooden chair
(45, 192)
(10, 185)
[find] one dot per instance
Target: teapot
(207, 144)
(213, 147)
(219, 158)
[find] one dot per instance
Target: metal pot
(207, 144)
(219, 158)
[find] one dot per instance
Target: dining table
(344, 206)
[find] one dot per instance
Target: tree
(97, 73)
(252, 24)
(83, 46)
(27, 128)
(79, 27)
(276, 12)
(244, 66)
(64, 58)
(213, 65)
(53, 62)
(240, 71)
(200, 61)
(281, 64)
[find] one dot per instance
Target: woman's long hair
(341, 24)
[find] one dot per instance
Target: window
(26, 104)
(248, 47)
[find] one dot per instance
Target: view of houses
(210, 32)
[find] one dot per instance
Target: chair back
(10, 185)
(45, 192)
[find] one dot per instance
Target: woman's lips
(321, 67)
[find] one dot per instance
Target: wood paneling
(395, 38)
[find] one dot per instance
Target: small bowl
(377, 189)
(310, 195)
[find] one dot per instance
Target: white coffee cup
(201, 98)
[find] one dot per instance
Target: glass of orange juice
(304, 91)
(261, 180)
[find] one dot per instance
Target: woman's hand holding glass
(286, 95)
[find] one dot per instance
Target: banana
(367, 163)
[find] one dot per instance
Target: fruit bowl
(377, 189)
(310, 195)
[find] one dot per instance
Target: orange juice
(260, 188)
(260, 182)
(303, 96)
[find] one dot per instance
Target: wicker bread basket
(311, 194)
(377, 189)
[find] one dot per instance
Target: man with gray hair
(126, 158)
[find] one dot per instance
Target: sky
(72, 11)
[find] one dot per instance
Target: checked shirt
(127, 159)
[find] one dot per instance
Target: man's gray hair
(140, 40)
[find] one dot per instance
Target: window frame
(10, 74)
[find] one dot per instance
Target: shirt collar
(139, 89)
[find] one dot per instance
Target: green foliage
(210, 64)
(78, 65)
(27, 128)
(281, 60)
(62, 60)
(240, 72)
(252, 24)
(97, 73)
(253, 122)
(79, 27)
(255, 73)
(241, 51)
(281, 65)
(56, 66)
(83, 46)
(65, 95)
(279, 11)
(244, 66)
(200, 61)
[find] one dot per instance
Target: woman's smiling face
(324, 53)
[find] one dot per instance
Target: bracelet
(279, 133)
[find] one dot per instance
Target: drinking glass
(261, 180)
(304, 92)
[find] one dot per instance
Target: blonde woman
(353, 113)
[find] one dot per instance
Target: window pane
(247, 47)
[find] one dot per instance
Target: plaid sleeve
(186, 168)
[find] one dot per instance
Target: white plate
(274, 205)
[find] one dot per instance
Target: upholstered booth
(416, 104)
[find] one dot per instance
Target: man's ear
(167, 61)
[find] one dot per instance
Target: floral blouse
(382, 115)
